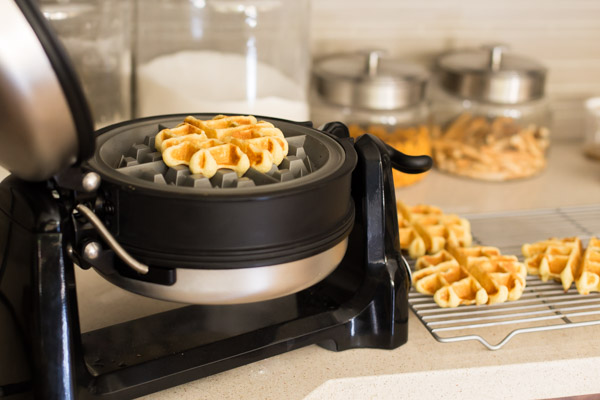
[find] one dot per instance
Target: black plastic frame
(362, 304)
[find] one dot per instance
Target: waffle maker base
(362, 304)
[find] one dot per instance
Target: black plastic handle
(336, 129)
(400, 161)
(403, 162)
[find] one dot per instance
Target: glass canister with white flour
(225, 56)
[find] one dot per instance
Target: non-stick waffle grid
(543, 306)
(144, 162)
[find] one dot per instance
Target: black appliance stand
(362, 304)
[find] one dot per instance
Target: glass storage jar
(224, 56)
(374, 94)
(96, 35)
(494, 116)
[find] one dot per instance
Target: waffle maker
(307, 253)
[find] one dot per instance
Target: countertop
(535, 365)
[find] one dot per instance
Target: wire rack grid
(543, 306)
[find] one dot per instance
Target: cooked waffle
(442, 277)
(194, 137)
(474, 275)
(588, 279)
(221, 121)
(243, 128)
(232, 142)
(556, 259)
(502, 276)
(208, 161)
(180, 130)
(565, 261)
(426, 229)
(181, 151)
(262, 151)
(260, 159)
(277, 146)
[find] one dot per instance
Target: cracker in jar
(495, 150)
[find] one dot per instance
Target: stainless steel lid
(491, 75)
(46, 124)
(368, 80)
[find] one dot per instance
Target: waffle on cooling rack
(471, 275)
(425, 229)
(565, 261)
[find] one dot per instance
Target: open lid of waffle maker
(46, 124)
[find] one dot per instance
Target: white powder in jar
(209, 81)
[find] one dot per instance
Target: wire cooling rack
(543, 306)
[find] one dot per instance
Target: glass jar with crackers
(494, 115)
(375, 94)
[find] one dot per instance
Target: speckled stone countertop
(535, 365)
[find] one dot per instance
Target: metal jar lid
(367, 80)
(491, 75)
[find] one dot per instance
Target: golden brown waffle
(232, 142)
(442, 273)
(554, 258)
(208, 161)
(221, 121)
(179, 130)
(449, 283)
(474, 275)
(260, 159)
(565, 261)
(242, 128)
(426, 229)
(502, 276)
(588, 279)
(194, 137)
(179, 150)
(263, 152)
